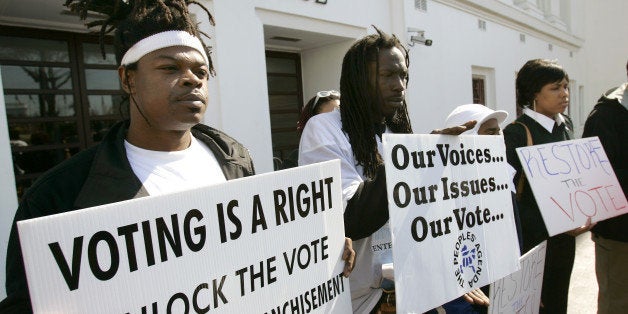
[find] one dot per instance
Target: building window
(483, 86)
(60, 95)
(420, 5)
(482, 24)
(479, 91)
(285, 99)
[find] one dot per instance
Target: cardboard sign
(572, 181)
(451, 216)
(265, 244)
(520, 292)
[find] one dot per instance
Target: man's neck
(166, 141)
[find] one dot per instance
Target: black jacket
(609, 122)
(532, 225)
(96, 176)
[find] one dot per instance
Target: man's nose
(399, 84)
(191, 79)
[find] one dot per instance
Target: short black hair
(533, 76)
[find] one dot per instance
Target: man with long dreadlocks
(372, 88)
(164, 68)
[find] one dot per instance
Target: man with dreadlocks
(372, 88)
(164, 68)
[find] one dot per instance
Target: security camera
(420, 39)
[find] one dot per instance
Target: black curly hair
(134, 20)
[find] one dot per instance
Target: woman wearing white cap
(488, 123)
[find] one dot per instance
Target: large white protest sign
(520, 292)
(265, 244)
(451, 216)
(572, 181)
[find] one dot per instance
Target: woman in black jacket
(542, 88)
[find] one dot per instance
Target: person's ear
(126, 78)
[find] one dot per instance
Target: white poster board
(572, 181)
(253, 245)
(451, 216)
(520, 292)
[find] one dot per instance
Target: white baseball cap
(479, 113)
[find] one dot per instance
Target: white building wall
(440, 75)
(239, 102)
(605, 50)
(321, 68)
(239, 105)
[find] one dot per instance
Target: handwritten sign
(451, 216)
(572, 181)
(265, 244)
(520, 292)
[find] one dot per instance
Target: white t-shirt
(166, 172)
(322, 140)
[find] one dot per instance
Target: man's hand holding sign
(453, 230)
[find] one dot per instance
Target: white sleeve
(323, 140)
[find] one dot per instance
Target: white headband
(162, 40)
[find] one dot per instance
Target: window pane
(22, 77)
(35, 106)
(283, 102)
(282, 84)
(281, 65)
(31, 49)
(40, 160)
(478, 91)
(93, 55)
(44, 133)
(104, 105)
(284, 120)
(102, 79)
(26, 171)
